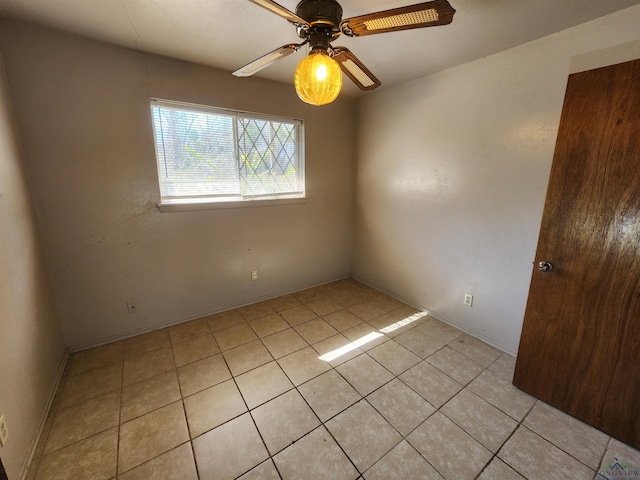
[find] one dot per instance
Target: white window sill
(189, 206)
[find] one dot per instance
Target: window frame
(216, 201)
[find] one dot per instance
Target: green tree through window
(208, 154)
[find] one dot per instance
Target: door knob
(545, 266)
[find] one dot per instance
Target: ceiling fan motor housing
(319, 23)
(324, 16)
(321, 12)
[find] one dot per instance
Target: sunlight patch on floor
(338, 352)
(403, 322)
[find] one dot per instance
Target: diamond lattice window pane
(215, 154)
(268, 157)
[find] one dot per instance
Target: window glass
(211, 155)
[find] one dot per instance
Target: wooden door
(580, 344)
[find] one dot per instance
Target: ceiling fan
(318, 78)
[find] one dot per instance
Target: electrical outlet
(254, 275)
(4, 431)
(468, 299)
(131, 308)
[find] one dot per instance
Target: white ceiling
(230, 33)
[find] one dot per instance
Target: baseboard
(477, 335)
(36, 439)
(140, 331)
(474, 334)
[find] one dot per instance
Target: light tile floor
(338, 382)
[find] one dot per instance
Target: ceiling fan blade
(427, 14)
(355, 69)
(266, 60)
(280, 10)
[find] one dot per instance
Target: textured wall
(452, 174)
(31, 344)
(83, 110)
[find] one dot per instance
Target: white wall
(83, 110)
(31, 346)
(452, 174)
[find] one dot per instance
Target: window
(214, 155)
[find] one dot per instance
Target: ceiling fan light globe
(318, 79)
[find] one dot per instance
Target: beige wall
(31, 345)
(452, 175)
(83, 111)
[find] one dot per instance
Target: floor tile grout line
(186, 418)
(403, 437)
(438, 409)
(122, 384)
(271, 456)
(364, 398)
(119, 420)
(337, 413)
(478, 375)
(306, 402)
(559, 447)
(79, 441)
(553, 444)
(312, 410)
(174, 369)
(280, 367)
(340, 446)
(520, 423)
(124, 340)
(264, 443)
(62, 407)
(257, 336)
(382, 415)
(83, 438)
(604, 454)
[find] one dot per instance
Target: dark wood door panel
(580, 344)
